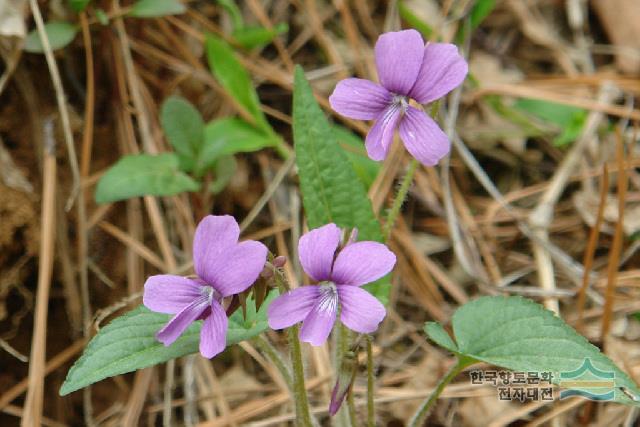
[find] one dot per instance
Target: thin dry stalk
(541, 217)
(60, 99)
(52, 365)
(33, 403)
(618, 239)
(137, 397)
(258, 10)
(591, 247)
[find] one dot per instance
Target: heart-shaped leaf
(521, 335)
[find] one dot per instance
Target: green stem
(420, 416)
(341, 347)
(276, 358)
(404, 186)
(401, 195)
(303, 415)
(300, 392)
(353, 418)
(371, 410)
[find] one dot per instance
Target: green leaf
(224, 168)
(366, 169)
(570, 120)
(521, 335)
(234, 78)
(559, 114)
(437, 334)
(128, 343)
(59, 34)
(102, 17)
(78, 5)
(224, 137)
(331, 190)
(184, 128)
(142, 175)
(234, 12)
(481, 9)
(252, 37)
(414, 21)
(156, 8)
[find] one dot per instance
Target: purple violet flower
(407, 70)
(339, 279)
(224, 267)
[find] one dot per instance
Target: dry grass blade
(616, 249)
(34, 401)
(591, 247)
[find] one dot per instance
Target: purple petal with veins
(224, 266)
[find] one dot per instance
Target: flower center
(210, 293)
(402, 102)
(328, 296)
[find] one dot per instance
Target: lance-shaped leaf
(156, 8)
(143, 175)
(59, 34)
(228, 136)
(331, 190)
(184, 128)
(128, 343)
(234, 78)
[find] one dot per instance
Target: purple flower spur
(339, 279)
(224, 267)
(408, 70)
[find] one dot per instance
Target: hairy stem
(351, 405)
(341, 347)
(300, 392)
(303, 415)
(401, 195)
(420, 416)
(371, 409)
(276, 358)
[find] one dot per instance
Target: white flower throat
(209, 293)
(402, 102)
(328, 297)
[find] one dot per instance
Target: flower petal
(398, 60)
(213, 335)
(166, 293)
(361, 263)
(316, 250)
(443, 69)
(181, 321)
(360, 311)
(359, 99)
(317, 326)
(238, 269)
(423, 138)
(380, 135)
(292, 307)
(215, 235)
